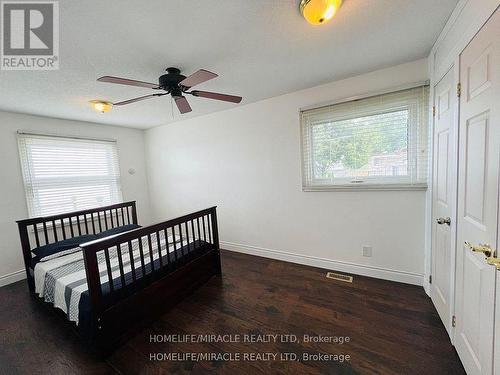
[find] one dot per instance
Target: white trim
(329, 264)
(430, 181)
(12, 277)
(366, 187)
(449, 24)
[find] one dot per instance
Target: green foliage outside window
(352, 142)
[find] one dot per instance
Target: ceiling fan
(175, 84)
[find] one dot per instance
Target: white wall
(247, 162)
(130, 143)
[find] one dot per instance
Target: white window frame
(418, 145)
(27, 178)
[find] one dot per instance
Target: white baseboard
(329, 264)
(12, 277)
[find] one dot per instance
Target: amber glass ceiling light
(101, 106)
(317, 12)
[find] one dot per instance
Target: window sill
(366, 187)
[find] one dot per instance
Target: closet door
(444, 196)
(479, 155)
(497, 324)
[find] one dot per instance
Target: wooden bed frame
(141, 299)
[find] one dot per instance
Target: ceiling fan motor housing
(170, 81)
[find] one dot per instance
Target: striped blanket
(62, 280)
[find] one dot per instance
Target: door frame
(453, 163)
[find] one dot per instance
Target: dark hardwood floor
(393, 328)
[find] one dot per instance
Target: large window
(379, 142)
(67, 174)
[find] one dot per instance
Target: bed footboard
(135, 276)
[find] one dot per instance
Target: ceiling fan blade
(217, 96)
(200, 76)
(182, 104)
(128, 82)
(125, 102)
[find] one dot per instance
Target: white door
(444, 196)
(496, 345)
(497, 325)
(479, 145)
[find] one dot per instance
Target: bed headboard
(39, 231)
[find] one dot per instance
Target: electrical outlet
(367, 251)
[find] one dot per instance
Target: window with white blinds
(67, 174)
(374, 143)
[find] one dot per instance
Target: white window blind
(375, 143)
(67, 174)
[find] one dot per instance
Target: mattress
(62, 281)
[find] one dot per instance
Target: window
(67, 174)
(379, 142)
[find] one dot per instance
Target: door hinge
(430, 279)
(459, 89)
(433, 111)
(454, 321)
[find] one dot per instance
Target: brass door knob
(494, 262)
(482, 248)
(444, 220)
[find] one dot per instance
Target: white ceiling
(259, 48)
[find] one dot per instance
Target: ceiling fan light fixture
(318, 12)
(101, 105)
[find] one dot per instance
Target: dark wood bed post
(94, 285)
(134, 213)
(26, 247)
(97, 338)
(215, 231)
